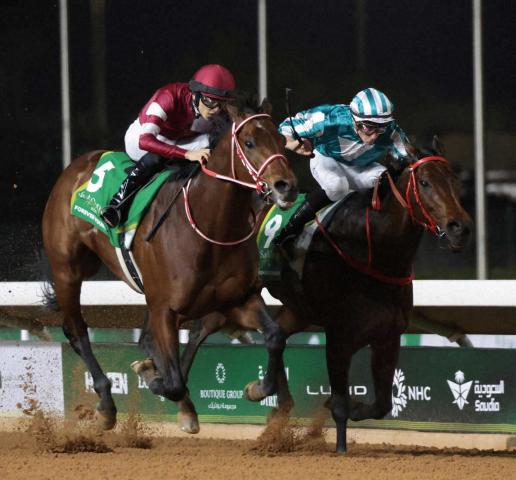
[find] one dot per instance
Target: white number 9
(271, 227)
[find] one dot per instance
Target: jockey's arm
(150, 143)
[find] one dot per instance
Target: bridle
(260, 185)
(428, 224)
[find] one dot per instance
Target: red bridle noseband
(256, 174)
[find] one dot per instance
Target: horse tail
(42, 269)
(49, 298)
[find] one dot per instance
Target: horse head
(261, 150)
(432, 196)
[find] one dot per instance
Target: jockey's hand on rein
(201, 155)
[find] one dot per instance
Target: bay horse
(356, 282)
(200, 260)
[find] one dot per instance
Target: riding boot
(137, 177)
(315, 200)
(295, 225)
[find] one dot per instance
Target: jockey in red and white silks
(167, 125)
(173, 124)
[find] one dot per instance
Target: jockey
(348, 143)
(173, 124)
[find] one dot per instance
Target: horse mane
(395, 168)
(245, 102)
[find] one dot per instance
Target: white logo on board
(459, 389)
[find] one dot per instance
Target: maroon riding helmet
(213, 81)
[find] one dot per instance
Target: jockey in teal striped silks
(346, 144)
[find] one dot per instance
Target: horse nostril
(281, 186)
(454, 227)
(458, 228)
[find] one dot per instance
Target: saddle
(92, 196)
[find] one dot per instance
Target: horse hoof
(105, 420)
(146, 370)
(141, 366)
(253, 391)
(188, 423)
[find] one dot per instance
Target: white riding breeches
(132, 139)
(338, 179)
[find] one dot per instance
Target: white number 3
(94, 186)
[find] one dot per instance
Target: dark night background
(418, 52)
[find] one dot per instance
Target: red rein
(430, 224)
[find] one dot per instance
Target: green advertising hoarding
(439, 389)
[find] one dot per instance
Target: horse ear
(411, 152)
(266, 106)
(233, 112)
(438, 146)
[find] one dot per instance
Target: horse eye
(424, 183)
(249, 144)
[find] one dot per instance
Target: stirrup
(111, 215)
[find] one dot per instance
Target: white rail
(450, 308)
(427, 293)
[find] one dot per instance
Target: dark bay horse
(356, 282)
(200, 260)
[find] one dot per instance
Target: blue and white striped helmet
(371, 105)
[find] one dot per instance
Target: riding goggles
(370, 128)
(209, 102)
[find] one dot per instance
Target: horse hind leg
(75, 329)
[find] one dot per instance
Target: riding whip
(288, 106)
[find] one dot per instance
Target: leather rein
(428, 223)
(258, 184)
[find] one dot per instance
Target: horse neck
(394, 236)
(395, 227)
(222, 192)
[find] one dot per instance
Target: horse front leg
(254, 315)
(290, 324)
(385, 354)
(162, 372)
(187, 415)
(76, 331)
(187, 418)
(338, 360)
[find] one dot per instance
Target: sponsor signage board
(433, 388)
(30, 372)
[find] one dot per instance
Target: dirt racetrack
(41, 450)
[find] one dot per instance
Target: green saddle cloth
(91, 197)
(270, 258)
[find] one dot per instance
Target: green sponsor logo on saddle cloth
(270, 258)
(92, 196)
